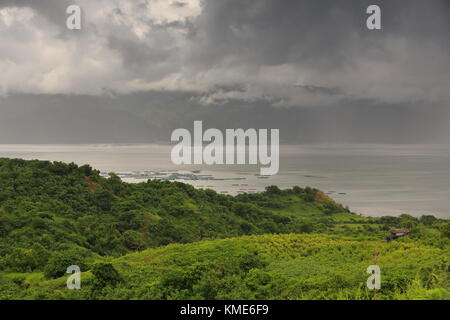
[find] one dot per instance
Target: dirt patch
(92, 184)
(152, 257)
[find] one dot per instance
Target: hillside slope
(55, 207)
(260, 267)
(168, 240)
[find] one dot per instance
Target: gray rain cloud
(311, 68)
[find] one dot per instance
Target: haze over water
(371, 179)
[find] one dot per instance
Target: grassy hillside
(259, 267)
(168, 240)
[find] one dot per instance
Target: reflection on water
(370, 179)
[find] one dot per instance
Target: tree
(306, 227)
(105, 274)
(133, 240)
(104, 199)
(59, 262)
(273, 190)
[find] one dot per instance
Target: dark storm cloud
(274, 32)
(271, 47)
(233, 63)
(329, 37)
(328, 91)
(324, 33)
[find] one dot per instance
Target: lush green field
(163, 240)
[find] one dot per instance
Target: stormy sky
(139, 69)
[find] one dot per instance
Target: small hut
(396, 233)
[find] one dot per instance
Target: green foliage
(273, 190)
(59, 262)
(25, 260)
(269, 267)
(105, 275)
(133, 240)
(61, 206)
(195, 244)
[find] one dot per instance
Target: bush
(133, 240)
(59, 262)
(105, 274)
(273, 190)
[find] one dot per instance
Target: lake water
(371, 179)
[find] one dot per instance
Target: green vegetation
(168, 240)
